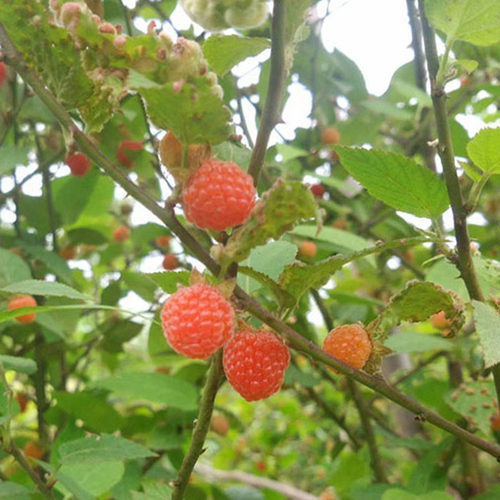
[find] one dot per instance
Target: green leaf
(94, 478)
(484, 150)
(272, 258)
(118, 333)
(418, 302)
(468, 64)
(474, 21)
(40, 287)
(140, 284)
(106, 448)
(397, 181)
(53, 261)
(475, 401)
(194, 114)
(94, 410)
(278, 210)
(417, 342)
(154, 387)
(12, 268)
(224, 52)
(19, 365)
(299, 277)
(487, 322)
(14, 491)
(169, 281)
(13, 156)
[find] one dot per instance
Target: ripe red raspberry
(197, 320)
(78, 163)
(350, 344)
(3, 73)
(121, 233)
(170, 262)
(23, 301)
(218, 196)
(255, 363)
(317, 190)
(163, 241)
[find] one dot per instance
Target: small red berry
(255, 363)
(330, 136)
(170, 262)
(163, 241)
(261, 465)
(197, 320)
(308, 249)
(23, 301)
(440, 321)
(78, 163)
(218, 196)
(121, 153)
(3, 72)
(121, 233)
(350, 344)
(317, 190)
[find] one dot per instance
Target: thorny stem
(215, 376)
(167, 216)
(275, 88)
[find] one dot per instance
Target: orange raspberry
(170, 262)
(330, 136)
(23, 301)
(350, 344)
(308, 249)
(121, 233)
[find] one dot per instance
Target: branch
(167, 216)
(258, 482)
(275, 86)
(215, 376)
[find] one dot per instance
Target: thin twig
(275, 88)
(215, 375)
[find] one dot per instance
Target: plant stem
(215, 376)
(167, 216)
(275, 88)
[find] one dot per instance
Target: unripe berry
(441, 322)
(350, 344)
(220, 425)
(163, 241)
(70, 15)
(330, 136)
(317, 190)
(33, 450)
(197, 320)
(308, 249)
(218, 196)
(121, 233)
(78, 163)
(170, 262)
(255, 363)
(3, 73)
(23, 301)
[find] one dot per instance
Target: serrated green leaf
(140, 284)
(475, 401)
(272, 258)
(194, 114)
(278, 210)
(224, 52)
(154, 387)
(12, 268)
(417, 342)
(487, 322)
(169, 281)
(418, 302)
(107, 448)
(39, 287)
(397, 181)
(474, 21)
(484, 150)
(20, 365)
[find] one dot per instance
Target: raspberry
(218, 196)
(308, 249)
(121, 233)
(3, 73)
(255, 363)
(317, 190)
(440, 321)
(125, 158)
(163, 241)
(350, 344)
(330, 136)
(170, 262)
(197, 320)
(23, 301)
(78, 163)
